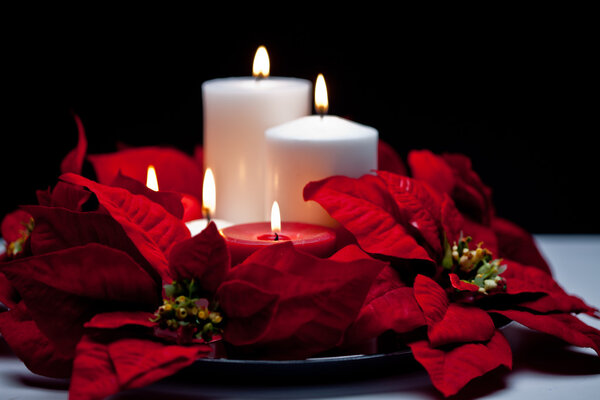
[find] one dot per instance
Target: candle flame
(275, 218)
(321, 101)
(209, 193)
(151, 180)
(261, 66)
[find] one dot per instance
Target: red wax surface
(244, 239)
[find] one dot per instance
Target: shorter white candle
(208, 207)
(313, 148)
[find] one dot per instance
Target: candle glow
(151, 179)
(261, 65)
(209, 205)
(275, 218)
(321, 100)
(209, 200)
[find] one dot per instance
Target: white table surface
(542, 368)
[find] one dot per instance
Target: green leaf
(447, 261)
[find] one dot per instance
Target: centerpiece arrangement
(104, 283)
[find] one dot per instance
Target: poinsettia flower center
(17, 246)
(474, 266)
(188, 315)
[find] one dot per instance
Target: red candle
(243, 240)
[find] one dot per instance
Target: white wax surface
(237, 111)
(312, 148)
(197, 225)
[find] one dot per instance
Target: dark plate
(312, 369)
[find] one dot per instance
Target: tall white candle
(237, 111)
(312, 148)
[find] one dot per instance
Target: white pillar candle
(196, 226)
(237, 111)
(313, 148)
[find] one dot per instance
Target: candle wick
(259, 77)
(321, 111)
(276, 236)
(207, 214)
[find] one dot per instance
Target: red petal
(461, 324)
(66, 195)
(170, 201)
(151, 228)
(311, 301)
(119, 319)
(58, 228)
(450, 370)
(104, 368)
(455, 225)
(389, 160)
(472, 197)
(564, 326)
(525, 279)
(453, 174)
(517, 244)
(247, 321)
(73, 162)
(450, 322)
(481, 233)
(419, 207)
(390, 305)
(431, 298)
(94, 376)
(204, 258)
(44, 197)
(559, 302)
(25, 339)
(192, 208)
(176, 171)
(8, 295)
(452, 221)
(140, 362)
(462, 285)
(431, 168)
(78, 283)
(14, 225)
(365, 208)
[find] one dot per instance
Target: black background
(515, 92)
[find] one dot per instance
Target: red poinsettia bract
(104, 283)
(89, 252)
(177, 172)
(296, 311)
(413, 223)
(453, 175)
(83, 292)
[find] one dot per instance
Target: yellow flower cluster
(469, 259)
(475, 266)
(190, 312)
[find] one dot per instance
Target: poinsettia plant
(104, 284)
(443, 284)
